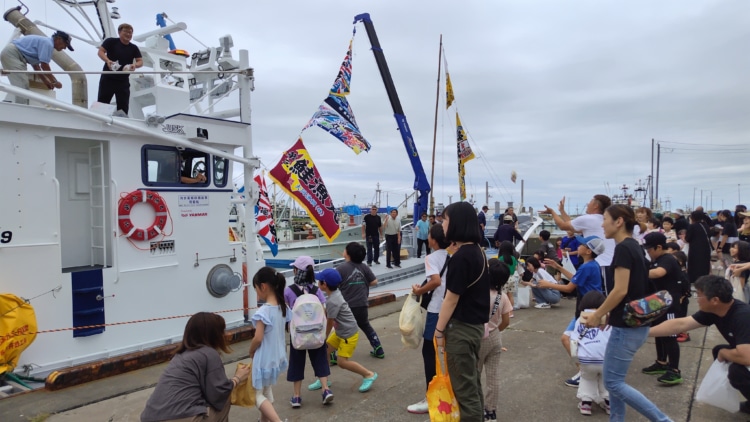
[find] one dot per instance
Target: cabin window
(169, 166)
(221, 165)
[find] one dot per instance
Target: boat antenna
(434, 131)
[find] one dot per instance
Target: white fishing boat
(98, 232)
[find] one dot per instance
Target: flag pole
(434, 131)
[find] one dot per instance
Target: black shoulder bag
(426, 297)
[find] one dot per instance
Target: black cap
(65, 37)
(654, 239)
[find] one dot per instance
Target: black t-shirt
(464, 267)
(673, 281)
(121, 53)
(734, 326)
(629, 254)
(372, 223)
(729, 230)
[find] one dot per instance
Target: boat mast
(434, 130)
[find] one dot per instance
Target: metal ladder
(97, 201)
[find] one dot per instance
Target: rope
(137, 321)
(185, 31)
(106, 72)
(29, 300)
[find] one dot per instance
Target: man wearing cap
(120, 57)
(506, 231)
(372, 231)
(35, 50)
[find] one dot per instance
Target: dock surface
(532, 388)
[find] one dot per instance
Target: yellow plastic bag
(440, 398)
(244, 393)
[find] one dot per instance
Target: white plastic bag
(716, 390)
(524, 296)
(411, 321)
(568, 265)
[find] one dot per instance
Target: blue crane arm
(421, 184)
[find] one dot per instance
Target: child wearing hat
(344, 339)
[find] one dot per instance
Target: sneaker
(317, 385)
(369, 264)
(377, 262)
(655, 369)
(490, 416)
(333, 359)
(745, 407)
(574, 380)
(296, 402)
(542, 306)
(389, 267)
(683, 337)
(418, 408)
(378, 352)
(585, 407)
(604, 405)
(671, 377)
(367, 383)
(396, 265)
(327, 396)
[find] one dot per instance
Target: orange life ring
(126, 205)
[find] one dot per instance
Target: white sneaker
(418, 408)
(542, 306)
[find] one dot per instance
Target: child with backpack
(344, 339)
(306, 317)
(592, 344)
(267, 349)
(491, 346)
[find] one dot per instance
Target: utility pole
(694, 189)
(658, 160)
(651, 185)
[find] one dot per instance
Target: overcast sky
(568, 94)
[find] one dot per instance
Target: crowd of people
(621, 255)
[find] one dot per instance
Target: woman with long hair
(699, 256)
(465, 308)
(631, 282)
(194, 383)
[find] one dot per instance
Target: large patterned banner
(335, 115)
(297, 176)
(464, 154)
(264, 223)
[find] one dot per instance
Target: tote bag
(244, 393)
(411, 322)
(441, 401)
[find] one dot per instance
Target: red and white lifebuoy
(126, 205)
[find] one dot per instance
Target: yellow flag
(464, 149)
(448, 86)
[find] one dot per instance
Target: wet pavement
(532, 389)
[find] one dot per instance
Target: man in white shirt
(590, 224)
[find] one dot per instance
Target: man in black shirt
(372, 231)
(732, 319)
(120, 56)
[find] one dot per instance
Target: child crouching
(592, 343)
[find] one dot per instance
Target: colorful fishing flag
(297, 176)
(464, 154)
(264, 223)
(335, 115)
(449, 98)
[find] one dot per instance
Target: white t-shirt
(542, 274)
(432, 265)
(591, 225)
(592, 346)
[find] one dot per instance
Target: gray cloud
(568, 94)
